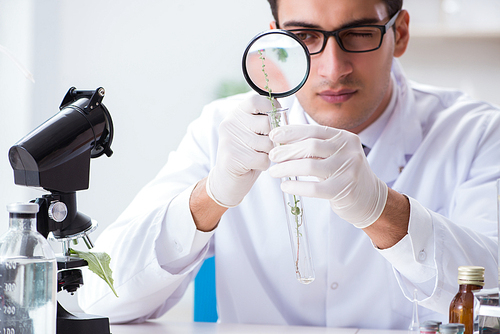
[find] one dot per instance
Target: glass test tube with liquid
(295, 217)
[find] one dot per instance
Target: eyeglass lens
(356, 39)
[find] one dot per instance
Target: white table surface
(167, 327)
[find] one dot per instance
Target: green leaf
(282, 54)
(98, 263)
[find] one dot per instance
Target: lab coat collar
(400, 137)
(371, 133)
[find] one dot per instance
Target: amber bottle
(470, 278)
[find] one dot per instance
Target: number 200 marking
(9, 310)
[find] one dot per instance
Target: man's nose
(333, 62)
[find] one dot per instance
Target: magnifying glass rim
(264, 92)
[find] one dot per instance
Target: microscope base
(80, 323)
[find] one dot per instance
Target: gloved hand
(337, 159)
(242, 151)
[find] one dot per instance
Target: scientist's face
(346, 90)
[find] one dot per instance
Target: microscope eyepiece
(56, 155)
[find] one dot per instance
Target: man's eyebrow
(301, 24)
(289, 24)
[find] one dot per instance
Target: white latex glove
(337, 159)
(242, 151)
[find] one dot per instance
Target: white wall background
(455, 43)
(160, 61)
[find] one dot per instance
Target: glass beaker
(295, 217)
(28, 275)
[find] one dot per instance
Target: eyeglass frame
(335, 33)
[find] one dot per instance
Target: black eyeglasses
(358, 39)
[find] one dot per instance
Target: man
(381, 225)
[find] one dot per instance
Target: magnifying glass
(276, 63)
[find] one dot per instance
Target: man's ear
(272, 25)
(402, 35)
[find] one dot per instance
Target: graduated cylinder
(295, 217)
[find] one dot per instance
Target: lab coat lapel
(297, 114)
(401, 135)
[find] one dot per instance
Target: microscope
(56, 157)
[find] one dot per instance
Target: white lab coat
(437, 146)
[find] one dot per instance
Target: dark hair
(392, 7)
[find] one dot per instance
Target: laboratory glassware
(414, 325)
(429, 327)
(28, 275)
(462, 305)
(295, 216)
(452, 329)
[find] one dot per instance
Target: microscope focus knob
(58, 211)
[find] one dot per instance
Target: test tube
(295, 217)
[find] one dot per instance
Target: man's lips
(337, 96)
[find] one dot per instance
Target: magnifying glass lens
(276, 62)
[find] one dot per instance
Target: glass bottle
(28, 275)
(462, 306)
(452, 329)
(295, 217)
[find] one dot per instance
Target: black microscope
(56, 157)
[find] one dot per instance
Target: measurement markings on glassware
(9, 287)
(6, 287)
(9, 310)
(11, 265)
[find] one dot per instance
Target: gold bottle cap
(473, 275)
